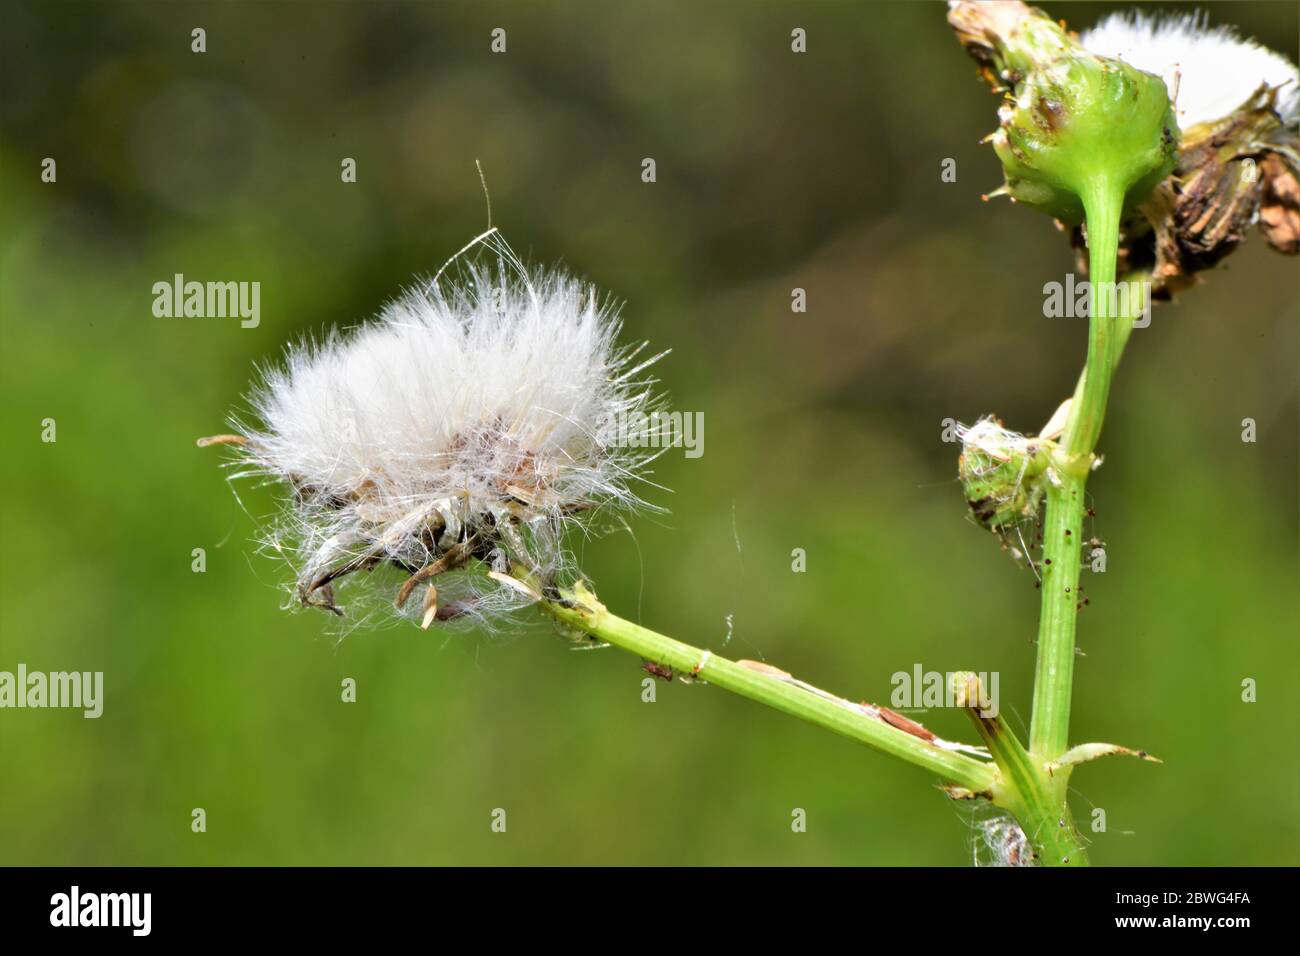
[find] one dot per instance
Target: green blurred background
(775, 171)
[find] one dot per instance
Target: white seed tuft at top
(1209, 71)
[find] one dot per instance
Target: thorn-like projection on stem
(1085, 752)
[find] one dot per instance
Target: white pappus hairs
(1209, 71)
(462, 430)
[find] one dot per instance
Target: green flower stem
(1043, 812)
(579, 609)
(1062, 537)
(1083, 428)
(1063, 523)
(1138, 281)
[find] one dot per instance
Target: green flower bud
(1074, 125)
(1003, 473)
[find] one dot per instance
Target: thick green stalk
(579, 609)
(1065, 509)
(1063, 522)
(1062, 533)
(1104, 206)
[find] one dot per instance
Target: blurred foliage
(775, 170)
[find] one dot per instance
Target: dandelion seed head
(470, 422)
(1209, 71)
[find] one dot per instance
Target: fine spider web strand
(740, 559)
(993, 836)
(1029, 558)
(620, 500)
(487, 198)
(640, 564)
(1023, 729)
(1020, 478)
(1076, 792)
(741, 587)
(482, 237)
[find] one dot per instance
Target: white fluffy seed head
(1209, 72)
(461, 424)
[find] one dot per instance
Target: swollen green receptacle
(1083, 138)
(1003, 481)
(1079, 124)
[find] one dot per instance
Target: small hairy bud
(1003, 473)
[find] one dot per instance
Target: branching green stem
(579, 609)
(1030, 783)
(1025, 789)
(1111, 322)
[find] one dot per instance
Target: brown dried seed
(903, 723)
